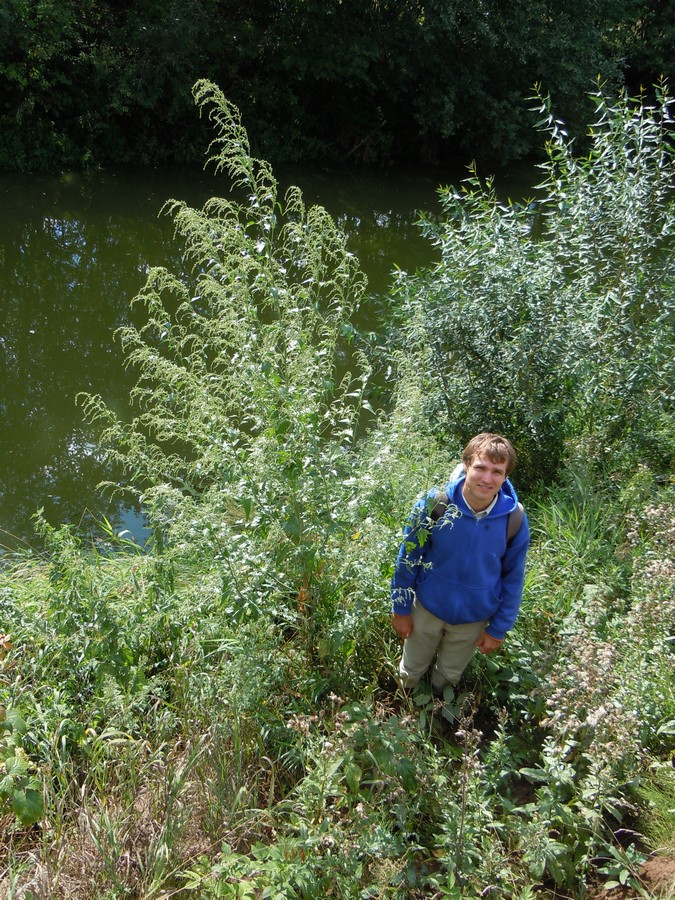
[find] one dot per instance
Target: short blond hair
(494, 446)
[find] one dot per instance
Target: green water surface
(74, 251)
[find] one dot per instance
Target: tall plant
(553, 320)
(249, 395)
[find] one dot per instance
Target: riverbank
(182, 745)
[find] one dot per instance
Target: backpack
(512, 529)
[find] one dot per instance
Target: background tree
(99, 83)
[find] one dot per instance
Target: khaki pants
(453, 644)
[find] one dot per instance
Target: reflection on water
(74, 251)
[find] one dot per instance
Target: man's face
(484, 477)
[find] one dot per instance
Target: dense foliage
(218, 716)
(98, 83)
(553, 320)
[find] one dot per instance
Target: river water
(74, 251)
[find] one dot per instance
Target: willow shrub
(552, 321)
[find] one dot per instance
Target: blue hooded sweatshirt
(460, 568)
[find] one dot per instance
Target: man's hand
(403, 625)
(488, 644)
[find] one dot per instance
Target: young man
(459, 578)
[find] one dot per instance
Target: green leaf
(28, 806)
(13, 719)
(451, 713)
(353, 775)
(535, 775)
(666, 728)
(15, 767)
(6, 787)
(422, 695)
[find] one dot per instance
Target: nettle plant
(249, 391)
(549, 320)
(20, 784)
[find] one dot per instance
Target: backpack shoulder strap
(515, 521)
(441, 498)
(440, 505)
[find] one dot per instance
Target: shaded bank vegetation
(99, 84)
(218, 716)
